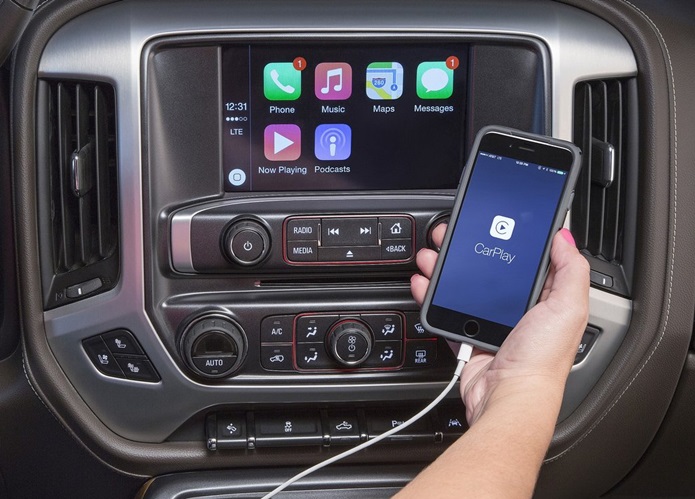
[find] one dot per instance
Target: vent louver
(78, 200)
(605, 114)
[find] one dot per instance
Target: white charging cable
(463, 357)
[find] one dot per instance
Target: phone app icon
(384, 80)
(502, 227)
(332, 142)
(333, 81)
(282, 81)
(282, 142)
(434, 80)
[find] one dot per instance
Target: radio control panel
(280, 235)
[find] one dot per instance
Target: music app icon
(333, 81)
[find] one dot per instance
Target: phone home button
(471, 328)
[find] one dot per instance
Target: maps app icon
(384, 80)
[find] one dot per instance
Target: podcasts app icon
(332, 142)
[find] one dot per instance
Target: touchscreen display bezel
(275, 143)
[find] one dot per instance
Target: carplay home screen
(499, 239)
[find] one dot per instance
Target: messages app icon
(282, 81)
(434, 80)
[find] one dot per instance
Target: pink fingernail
(568, 236)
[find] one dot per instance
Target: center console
(274, 185)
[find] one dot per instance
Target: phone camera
(471, 328)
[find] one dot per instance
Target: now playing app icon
(502, 227)
(282, 142)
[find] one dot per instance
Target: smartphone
(513, 197)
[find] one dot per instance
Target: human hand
(538, 354)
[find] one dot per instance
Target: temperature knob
(350, 342)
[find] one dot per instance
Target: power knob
(350, 342)
(247, 242)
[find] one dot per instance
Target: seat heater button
(101, 357)
(122, 342)
(138, 369)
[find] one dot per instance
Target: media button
(302, 251)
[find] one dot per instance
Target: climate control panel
(365, 341)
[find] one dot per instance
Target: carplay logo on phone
(502, 227)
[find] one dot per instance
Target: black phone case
(560, 214)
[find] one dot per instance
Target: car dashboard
(218, 206)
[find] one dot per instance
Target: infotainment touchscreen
(343, 116)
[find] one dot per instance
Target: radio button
(303, 229)
(349, 232)
(302, 251)
(350, 254)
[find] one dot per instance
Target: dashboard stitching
(673, 250)
(65, 428)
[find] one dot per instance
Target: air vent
(602, 216)
(78, 201)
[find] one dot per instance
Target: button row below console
(329, 427)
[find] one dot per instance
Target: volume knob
(247, 243)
